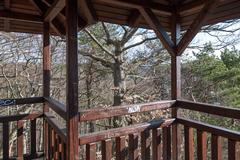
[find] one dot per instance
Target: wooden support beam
(46, 77)
(42, 8)
(46, 59)
(72, 79)
(54, 10)
(196, 25)
(154, 23)
(81, 22)
(88, 10)
(175, 81)
(134, 18)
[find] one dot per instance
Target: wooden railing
(203, 130)
(144, 140)
(55, 139)
(132, 134)
(21, 120)
(148, 140)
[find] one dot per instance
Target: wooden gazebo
(175, 22)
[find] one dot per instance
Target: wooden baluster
(56, 148)
(156, 144)
(91, 151)
(166, 143)
(145, 145)
(133, 147)
(201, 145)
(20, 140)
(49, 142)
(106, 149)
(59, 147)
(189, 145)
(33, 138)
(5, 140)
(53, 143)
(64, 151)
(216, 148)
(231, 149)
(120, 148)
(46, 139)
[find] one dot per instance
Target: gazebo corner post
(175, 82)
(46, 80)
(72, 80)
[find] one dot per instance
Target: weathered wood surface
(123, 131)
(219, 131)
(21, 101)
(208, 108)
(101, 113)
(57, 106)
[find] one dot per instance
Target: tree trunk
(119, 89)
(89, 79)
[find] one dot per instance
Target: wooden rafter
(56, 24)
(134, 18)
(89, 11)
(158, 28)
(53, 11)
(81, 21)
(196, 25)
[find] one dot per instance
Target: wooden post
(72, 80)
(46, 78)
(175, 82)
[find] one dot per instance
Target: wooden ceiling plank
(156, 7)
(6, 21)
(158, 28)
(196, 25)
(54, 10)
(5, 14)
(135, 18)
(190, 7)
(7, 4)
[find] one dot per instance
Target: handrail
(101, 113)
(58, 128)
(230, 134)
(57, 106)
(20, 117)
(208, 108)
(20, 101)
(118, 132)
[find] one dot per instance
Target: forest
(121, 65)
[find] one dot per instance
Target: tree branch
(101, 60)
(99, 44)
(138, 43)
(128, 36)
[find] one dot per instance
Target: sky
(215, 37)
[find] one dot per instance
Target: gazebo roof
(28, 15)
